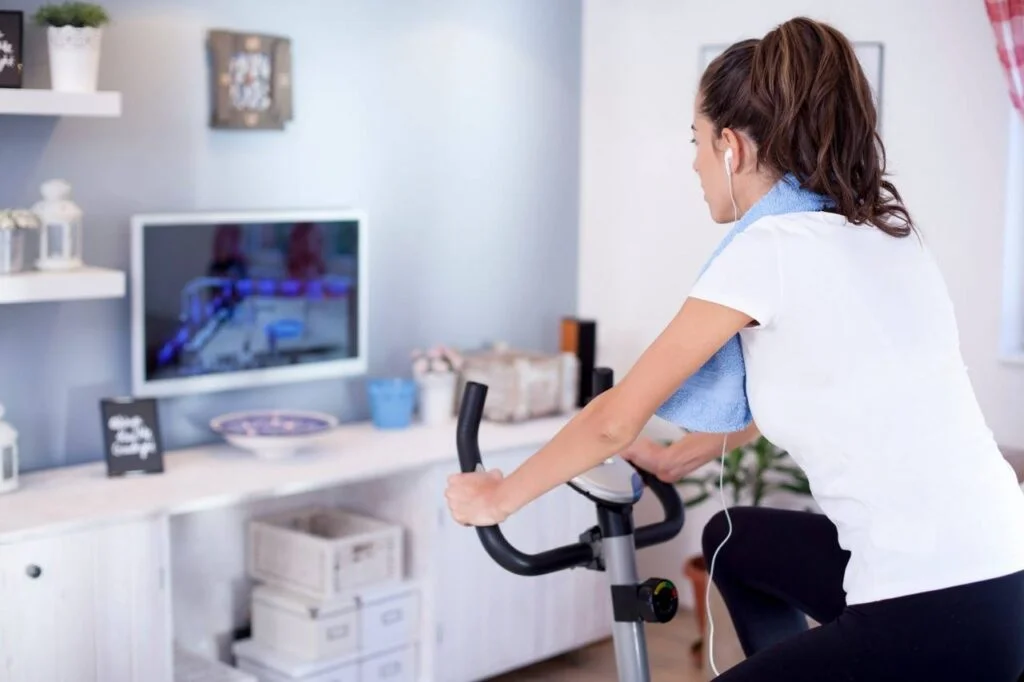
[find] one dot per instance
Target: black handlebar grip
(602, 380)
(508, 557)
(471, 411)
(669, 527)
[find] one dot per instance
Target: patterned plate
(273, 423)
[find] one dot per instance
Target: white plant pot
(437, 397)
(74, 58)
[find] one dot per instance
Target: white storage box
(303, 627)
(398, 665)
(323, 552)
(273, 666)
(389, 616)
(190, 667)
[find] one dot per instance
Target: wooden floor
(669, 652)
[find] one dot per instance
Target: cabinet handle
(33, 571)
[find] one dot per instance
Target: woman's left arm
(608, 423)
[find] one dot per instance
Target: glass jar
(12, 245)
(60, 235)
(13, 227)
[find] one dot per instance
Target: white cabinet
(87, 606)
(490, 620)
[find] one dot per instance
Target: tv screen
(226, 301)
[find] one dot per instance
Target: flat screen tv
(232, 300)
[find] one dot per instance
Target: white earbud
(728, 177)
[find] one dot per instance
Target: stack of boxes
(332, 603)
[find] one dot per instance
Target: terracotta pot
(696, 571)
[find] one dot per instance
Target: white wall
(644, 228)
(454, 124)
(645, 231)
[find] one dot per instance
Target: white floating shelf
(1012, 358)
(34, 286)
(28, 102)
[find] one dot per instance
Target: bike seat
(614, 481)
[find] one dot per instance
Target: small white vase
(74, 58)
(437, 397)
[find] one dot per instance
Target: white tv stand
(99, 577)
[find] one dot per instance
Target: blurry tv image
(224, 301)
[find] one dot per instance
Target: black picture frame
(12, 48)
(131, 436)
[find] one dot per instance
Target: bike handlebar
(568, 556)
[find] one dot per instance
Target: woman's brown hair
(799, 93)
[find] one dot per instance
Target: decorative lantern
(8, 455)
(60, 236)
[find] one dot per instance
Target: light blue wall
(454, 123)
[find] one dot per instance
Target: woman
(852, 364)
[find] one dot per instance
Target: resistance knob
(659, 600)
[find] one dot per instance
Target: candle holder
(60, 233)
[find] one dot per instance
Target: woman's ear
(730, 142)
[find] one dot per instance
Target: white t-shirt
(855, 369)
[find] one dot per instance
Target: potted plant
(436, 373)
(74, 32)
(749, 475)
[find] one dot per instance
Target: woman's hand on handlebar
(473, 499)
(671, 463)
(666, 462)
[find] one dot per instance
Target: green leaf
(789, 469)
(692, 502)
(798, 489)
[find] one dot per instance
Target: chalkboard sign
(131, 433)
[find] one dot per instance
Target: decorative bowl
(273, 434)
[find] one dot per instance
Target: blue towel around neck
(714, 398)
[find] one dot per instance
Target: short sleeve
(745, 276)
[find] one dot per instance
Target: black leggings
(779, 565)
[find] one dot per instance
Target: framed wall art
(869, 53)
(12, 31)
(251, 78)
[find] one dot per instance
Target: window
(1012, 341)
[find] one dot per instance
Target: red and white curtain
(1007, 17)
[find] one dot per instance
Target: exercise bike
(614, 486)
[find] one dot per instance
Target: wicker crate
(323, 552)
(523, 385)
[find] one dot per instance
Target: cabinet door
(490, 620)
(574, 607)
(87, 606)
